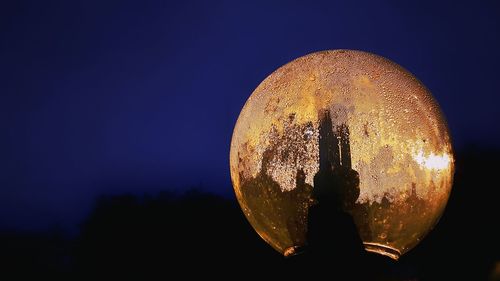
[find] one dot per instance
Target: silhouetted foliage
(199, 234)
(332, 236)
(196, 234)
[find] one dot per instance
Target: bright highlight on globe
(346, 115)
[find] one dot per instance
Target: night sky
(103, 97)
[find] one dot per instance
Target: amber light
(362, 112)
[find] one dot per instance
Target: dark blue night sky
(105, 97)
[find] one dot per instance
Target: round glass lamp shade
(349, 112)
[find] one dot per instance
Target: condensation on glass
(386, 127)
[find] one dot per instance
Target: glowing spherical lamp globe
(357, 112)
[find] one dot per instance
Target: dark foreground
(202, 235)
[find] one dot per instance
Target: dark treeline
(199, 234)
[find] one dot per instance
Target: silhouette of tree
(334, 245)
(281, 214)
(300, 200)
(202, 235)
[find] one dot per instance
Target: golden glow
(433, 161)
(399, 145)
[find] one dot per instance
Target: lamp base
(382, 249)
